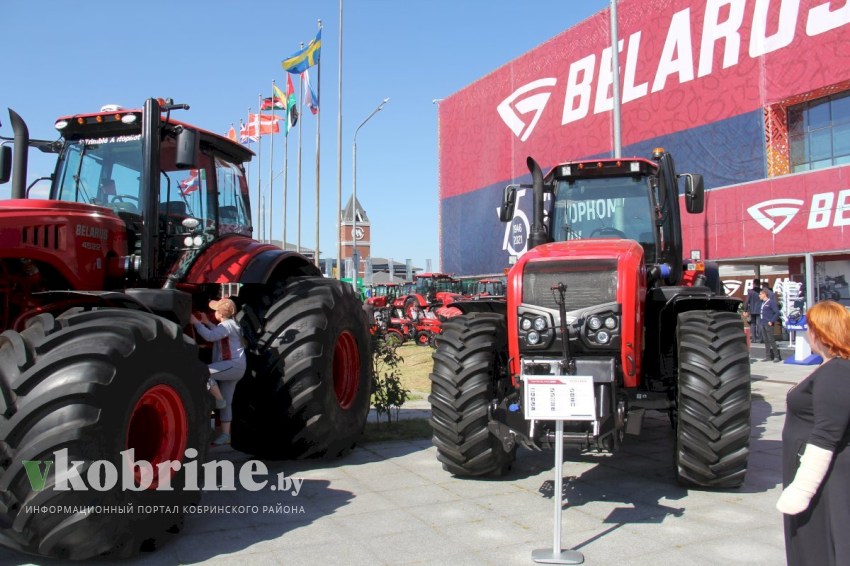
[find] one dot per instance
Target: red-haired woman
(816, 447)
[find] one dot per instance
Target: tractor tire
(470, 358)
(308, 386)
(423, 337)
(713, 400)
(91, 385)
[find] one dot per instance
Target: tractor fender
(238, 259)
(496, 305)
(271, 265)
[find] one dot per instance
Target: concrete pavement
(391, 503)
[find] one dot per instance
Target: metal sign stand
(558, 398)
(556, 555)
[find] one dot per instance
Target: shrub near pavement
(389, 393)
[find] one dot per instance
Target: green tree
(388, 392)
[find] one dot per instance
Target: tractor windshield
(195, 205)
(605, 207)
(424, 285)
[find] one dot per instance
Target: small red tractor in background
(430, 290)
(602, 294)
(147, 220)
(489, 287)
(383, 295)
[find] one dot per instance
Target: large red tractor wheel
(307, 391)
(713, 414)
(91, 385)
(471, 358)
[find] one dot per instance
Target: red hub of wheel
(346, 369)
(159, 430)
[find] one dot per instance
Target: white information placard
(559, 397)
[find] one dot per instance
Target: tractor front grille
(589, 283)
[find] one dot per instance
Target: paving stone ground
(391, 503)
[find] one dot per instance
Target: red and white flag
(191, 183)
(263, 124)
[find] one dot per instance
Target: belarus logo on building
(774, 215)
(517, 104)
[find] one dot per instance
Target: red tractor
(147, 220)
(489, 287)
(603, 292)
(430, 290)
(383, 295)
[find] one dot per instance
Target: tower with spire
(355, 233)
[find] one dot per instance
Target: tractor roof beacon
(147, 220)
(603, 291)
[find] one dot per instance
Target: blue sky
(66, 58)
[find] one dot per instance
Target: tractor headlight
(594, 323)
(610, 323)
(539, 323)
(525, 324)
(602, 337)
(533, 337)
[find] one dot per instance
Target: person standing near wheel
(753, 309)
(769, 318)
(816, 447)
(228, 365)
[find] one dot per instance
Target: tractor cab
(631, 199)
(197, 189)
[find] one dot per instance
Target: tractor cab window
(605, 207)
(187, 222)
(105, 171)
(234, 216)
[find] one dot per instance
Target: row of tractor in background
(416, 310)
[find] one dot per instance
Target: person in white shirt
(228, 365)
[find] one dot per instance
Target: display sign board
(559, 397)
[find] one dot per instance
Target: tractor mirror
(5, 164)
(506, 213)
(188, 147)
(694, 193)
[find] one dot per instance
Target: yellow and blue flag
(305, 58)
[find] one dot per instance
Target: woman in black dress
(816, 448)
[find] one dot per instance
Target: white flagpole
(318, 115)
(270, 206)
(285, 173)
(339, 158)
(300, 123)
(259, 170)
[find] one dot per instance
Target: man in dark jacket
(753, 308)
(769, 319)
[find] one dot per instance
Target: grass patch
(405, 429)
(415, 369)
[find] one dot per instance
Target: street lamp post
(354, 193)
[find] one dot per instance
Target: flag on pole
(245, 135)
(291, 106)
(231, 133)
(263, 124)
(313, 101)
(276, 101)
(305, 58)
(191, 183)
(272, 103)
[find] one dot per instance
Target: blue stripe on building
(473, 241)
